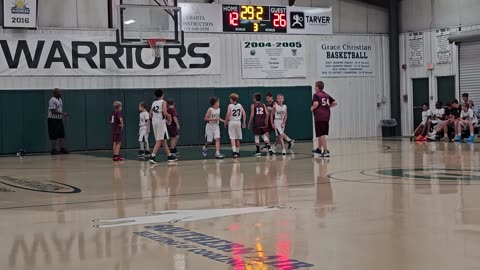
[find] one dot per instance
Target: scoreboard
(248, 18)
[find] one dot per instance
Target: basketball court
(375, 204)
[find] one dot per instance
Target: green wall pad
(23, 115)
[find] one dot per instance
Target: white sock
(217, 153)
(459, 134)
(238, 149)
(141, 146)
(287, 139)
(153, 155)
(234, 149)
(147, 147)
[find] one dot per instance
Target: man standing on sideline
(55, 123)
(321, 104)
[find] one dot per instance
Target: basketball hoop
(156, 44)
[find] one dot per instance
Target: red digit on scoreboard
(233, 18)
(279, 20)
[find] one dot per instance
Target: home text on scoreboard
(248, 18)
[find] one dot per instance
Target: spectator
(56, 130)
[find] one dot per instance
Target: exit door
(420, 96)
(446, 89)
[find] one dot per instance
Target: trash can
(388, 127)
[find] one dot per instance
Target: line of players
(456, 116)
(264, 119)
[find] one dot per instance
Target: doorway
(420, 96)
(445, 89)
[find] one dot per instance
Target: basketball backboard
(138, 23)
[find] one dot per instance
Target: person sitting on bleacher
(422, 129)
(452, 112)
(438, 114)
(472, 106)
(467, 119)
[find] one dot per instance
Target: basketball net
(156, 44)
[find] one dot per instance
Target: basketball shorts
(235, 130)
(436, 122)
(212, 132)
(117, 137)
(465, 125)
(142, 134)
(172, 131)
(321, 128)
(269, 127)
(55, 129)
(278, 128)
(259, 130)
(160, 130)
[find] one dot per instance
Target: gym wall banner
(20, 13)
(307, 20)
(346, 59)
(273, 59)
(201, 17)
(70, 55)
(415, 49)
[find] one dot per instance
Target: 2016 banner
(20, 13)
(273, 59)
(70, 55)
(346, 59)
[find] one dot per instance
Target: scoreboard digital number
(247, 18)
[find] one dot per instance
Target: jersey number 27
(236, 112)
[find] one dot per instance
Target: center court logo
(20, 7)
(297, 20)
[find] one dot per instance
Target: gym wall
(88, 126)
(363, 101)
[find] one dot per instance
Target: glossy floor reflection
(376, 204)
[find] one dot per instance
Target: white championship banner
(70, 55)
(346, 59)
(273, 59)
(20, 13)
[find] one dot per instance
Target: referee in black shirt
(56, 129)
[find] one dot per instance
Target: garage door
(469, 61)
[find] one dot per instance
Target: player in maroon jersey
(321, 104)
(270, 103)
(116, 120)
(259, 117)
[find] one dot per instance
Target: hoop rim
(156, 42)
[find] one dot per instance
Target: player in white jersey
(235, 120)
(143, 130)
(160, 116)
(212, 128)
(279, 120)
(467, 119)
(438, 114)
